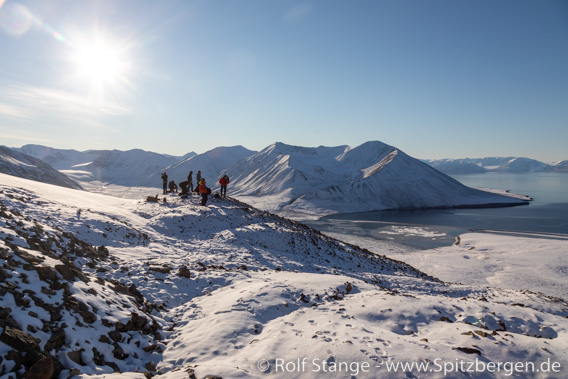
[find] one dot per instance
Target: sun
(100, 66)
(99, 63)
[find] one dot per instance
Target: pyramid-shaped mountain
(372, 176)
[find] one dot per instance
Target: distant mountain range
(136, 167)
(292, 179)
(495, 164)
(127, 168)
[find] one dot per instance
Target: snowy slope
(94, 285)
(25, 166)
(372, 176)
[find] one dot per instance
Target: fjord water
(547, 213)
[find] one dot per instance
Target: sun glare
(99, 63)
(100, 66)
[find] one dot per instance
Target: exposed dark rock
(184, 272)
(136, 322)
(98, 358)
(150, 366)
(5, 253)
(76, 356)
(163, 269)
(19, 340)
(20, 300)
(134, 292)
(30, 258)
(16, 356)
(88, 317)
(115, 335)
(481, 333)
(468, 350)
(113, 365)
(66, 272)
(105, 339)
(42, 369)
(118, 353)
(3, 275)
(4, 312)
(46, 273)
(56, 341)
(150, 348)
(304, 298)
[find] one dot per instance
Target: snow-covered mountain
(25, 166)
(372, 176)
(521, 165)
(211, 163)
(127, 168)
(456, 166)
(92, 285)
(60, 159)
(561, 166)
(490, 164)
(137, 167)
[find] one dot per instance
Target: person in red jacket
(203, 190)
(223, 182)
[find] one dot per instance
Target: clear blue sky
(436, 78)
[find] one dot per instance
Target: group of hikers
(201, 187)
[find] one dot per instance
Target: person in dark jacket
(203, 190)
(173, 186)
(165, 182)
(184, 188)
(190, 181)
(223, 182)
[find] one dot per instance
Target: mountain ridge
(286, 178)
(464, 166)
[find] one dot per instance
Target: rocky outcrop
(63, 267)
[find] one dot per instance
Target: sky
(435, 78)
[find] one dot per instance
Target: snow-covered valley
(99, 286)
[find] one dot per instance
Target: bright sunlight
(101, 66)
(99, 63)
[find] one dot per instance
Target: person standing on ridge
(203, 190)
(190, 181)
(223, 182)
(198, 177)
(165, 182)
